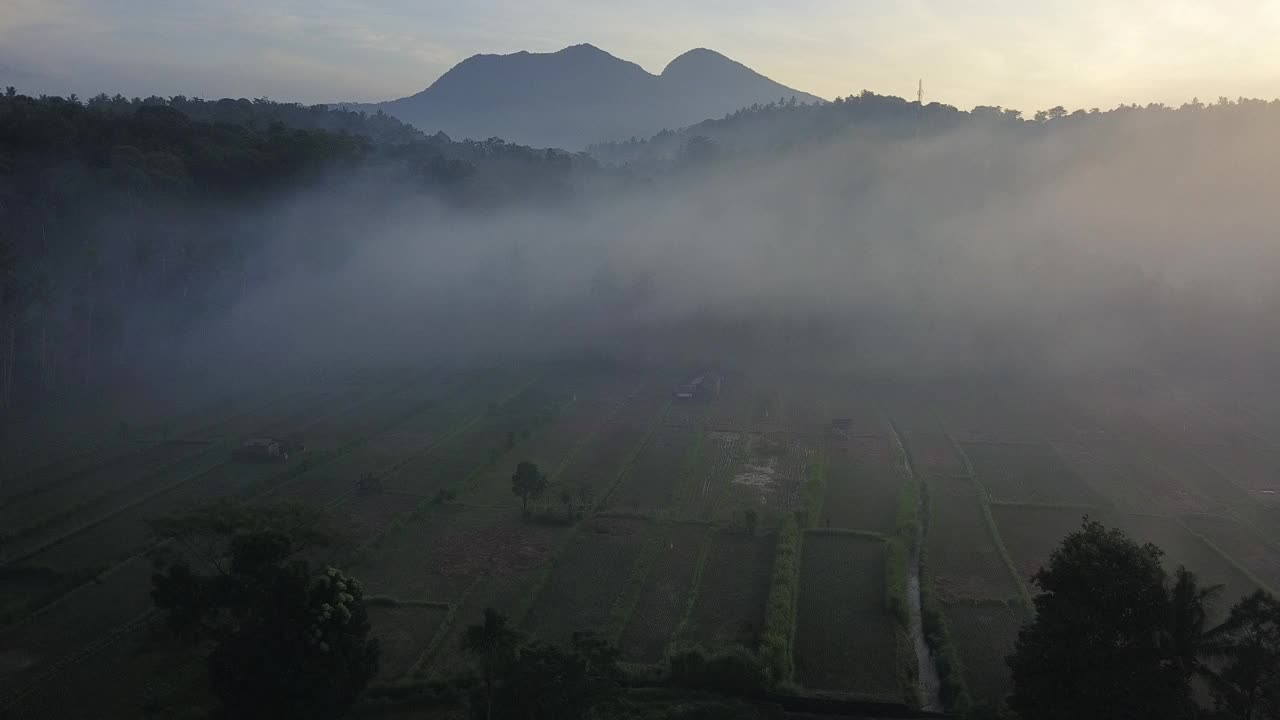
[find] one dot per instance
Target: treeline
(784, 124)
(124, 222)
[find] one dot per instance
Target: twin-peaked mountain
(580, 95)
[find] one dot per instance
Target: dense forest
(788, 123)
(120, 217)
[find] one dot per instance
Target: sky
(1017, 54)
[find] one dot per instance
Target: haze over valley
(563, 389)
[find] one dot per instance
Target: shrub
(733, 670)
(780, 613)
(895, 580)
(810, 508)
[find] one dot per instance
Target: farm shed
(261, 448)
(702, 387)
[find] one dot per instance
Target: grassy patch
(780, 612)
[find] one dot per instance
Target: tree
(287, 642)
(1184, 637)
(528, 482)
(1247, 648)
(494, 644)
(1094, 649)
(699, 151)
(566, 499)
(585, 496)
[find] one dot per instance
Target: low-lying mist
(1134, 242)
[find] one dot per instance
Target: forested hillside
(123, 219)
(127, 223)
(787, 124)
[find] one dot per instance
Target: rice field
(655, 475)
(728, 607)
(1027, 473)
(767, 479)
(586, 579)
(845, 637)
(863, 482)
(403, 633)
(659, 557)
(962, 558)
(984, 635)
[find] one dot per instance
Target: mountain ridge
(579, 95)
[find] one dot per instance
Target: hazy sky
(1026, 54)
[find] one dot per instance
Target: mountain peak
(581, 49)
(697, 58)
(580, 95)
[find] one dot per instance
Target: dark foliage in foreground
(286, 641)
(1115, 637)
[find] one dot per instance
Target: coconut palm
(1245, 650)
(494, 644)
(1185, 636)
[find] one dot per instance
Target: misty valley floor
(662, 556)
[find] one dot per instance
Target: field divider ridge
(443, 629)
(695, 584)
(538, 579)
(984, 502)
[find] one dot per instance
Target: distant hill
(580, 95)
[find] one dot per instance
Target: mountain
(580, 95)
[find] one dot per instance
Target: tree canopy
(1094, 649)
(287, 641)
(528, 483)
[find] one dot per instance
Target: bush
(811, 495)
(733, 670)
(906, 518)
(937, 633)
(895, 580)
(419, 692)
(780, 613)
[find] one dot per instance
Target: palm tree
(1185, 639)
(1246, 653)
(494, 644)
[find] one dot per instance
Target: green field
(586, 579)
(1027, 473)
(863, 481)
(665, 596)
(729, 601)
(654, 477)
(984, 634)
(657, 557)
(403, 633)
(962, 556)
(845, 637)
